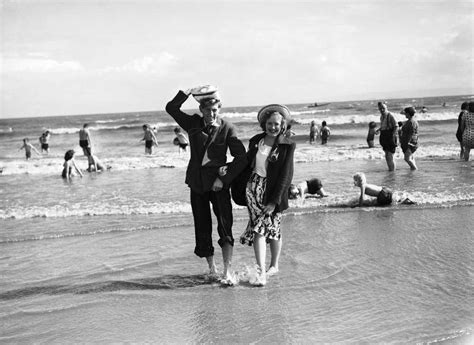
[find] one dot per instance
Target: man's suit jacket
(198, 177)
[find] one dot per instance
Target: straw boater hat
(272, 108)
(206, 92)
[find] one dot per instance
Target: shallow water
(109, 257)
(402, 276)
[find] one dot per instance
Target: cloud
(39, 65)
(151, 64)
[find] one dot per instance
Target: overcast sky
(86, 56)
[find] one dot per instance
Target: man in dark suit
(209, 139)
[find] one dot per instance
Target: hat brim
(272, 108)
(206, 96)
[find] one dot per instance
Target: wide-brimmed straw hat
(272, 108)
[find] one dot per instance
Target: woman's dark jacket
(279, 170)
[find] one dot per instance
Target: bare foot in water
(272, 271)
(229, 279)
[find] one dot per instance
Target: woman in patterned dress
(271, 157)
(467, 127)
(464, 106)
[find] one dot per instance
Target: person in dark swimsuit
(44, 141)
(85, 140)
(312, 186)
(70, 166)
(388, 134)
(383, 194)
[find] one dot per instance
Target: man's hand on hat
(194, 90)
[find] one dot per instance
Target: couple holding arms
(268, 162)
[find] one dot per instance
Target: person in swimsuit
(27, 146)
(289, 132)
(95, 164)
(388, 134)
(44, 141)
(70, 166)
(180, 140)
(325, 133)
(150, 139)
(85, 140)
(409, 137)
(312, 187)
(371, 134)
(383, 195)
(313, 132)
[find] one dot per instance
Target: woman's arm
(285, 177)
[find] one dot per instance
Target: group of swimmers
(94, 164)
(85, 142)
(44, 144)
(323, 133)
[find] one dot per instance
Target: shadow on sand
(167, 282)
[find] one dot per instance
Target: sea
(108, 258)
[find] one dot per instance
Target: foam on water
(335, 202)
(167, 157)
(87, 208)
(48, 165)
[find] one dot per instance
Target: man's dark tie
(209, 129)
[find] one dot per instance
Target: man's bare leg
(212, 265)
(227, 251)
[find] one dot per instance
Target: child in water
(289, 132)
(180, 140)
(313, 132)
(400, 125)
(27, 146)
(44, 141)
(325, 133)
(70, 166)
(150, 139)
(312, 187)
(95, 164)
(383, 194)
(371, 134)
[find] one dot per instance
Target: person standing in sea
(270, 155)
(149, 138)
(388, 134)
(313, 132)
(467, 128)
(85, 140)
(44, 141)
(409, 137)
(464, 106)
(210, 137)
